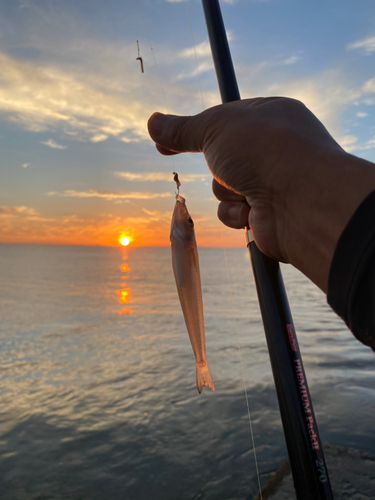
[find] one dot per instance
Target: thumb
(177, 134)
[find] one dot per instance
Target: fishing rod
(304, 447)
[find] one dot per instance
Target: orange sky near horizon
(25, 227)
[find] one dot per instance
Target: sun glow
(124, 240)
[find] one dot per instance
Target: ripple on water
(98, 387)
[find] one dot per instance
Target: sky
(77, 166)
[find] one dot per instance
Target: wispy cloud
(128, 140)
(348, 142)
(203, 67)
(99, 138)
(362, 115)
(25, 165)
(159, 176)
(21, 224)
(204, 59)
(6, 210)
(291, 60)
(327, 95)
(370, 144)
(19, 217)
(41, 98)
(108, 195)
(53, 144)
(367, 45)
(202, 49)
(369, 86)
(157, 215)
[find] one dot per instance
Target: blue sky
(77, 165)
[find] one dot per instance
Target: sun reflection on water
(123, 295)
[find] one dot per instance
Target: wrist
(323, 203)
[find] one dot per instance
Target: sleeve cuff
(351, 275)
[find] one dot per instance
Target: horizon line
(102, 246)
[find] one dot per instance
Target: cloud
(347, 142)
(369, 86)
(76, 88)
(370, 144)
(53, 144)
(61, 79)
(327, 95)
(203, 67)
(362, 115)
(156, 215)
(202, 49)
(25, 165)
(20, 224)
(44, 97)
(368, 101)
(17, 211)
(110, 196)
(368, 45)
(201, 54)
(128, 140)
(350, 143)
(99, 138)
(17, 223)
(159, 176)
(292, 60)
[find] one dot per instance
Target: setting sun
(125, 241)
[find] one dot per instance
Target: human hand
(264, 153)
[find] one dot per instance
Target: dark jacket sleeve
(351, 283)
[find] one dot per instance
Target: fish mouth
(180, 198)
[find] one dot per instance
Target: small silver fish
(186, 271)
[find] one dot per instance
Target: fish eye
(190, 220)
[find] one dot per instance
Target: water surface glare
(98, 397)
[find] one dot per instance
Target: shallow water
(98, 397)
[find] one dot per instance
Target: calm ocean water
(98, 397)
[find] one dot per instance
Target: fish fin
(203, 376)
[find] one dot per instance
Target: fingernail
(156, 124)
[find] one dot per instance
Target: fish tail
(203, 376)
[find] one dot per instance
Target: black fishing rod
(305, 451)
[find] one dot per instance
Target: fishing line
(156, 67)
(242, 370)
(195, 52)
(230, 293)
(153, 56)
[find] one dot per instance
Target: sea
(98, 397)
